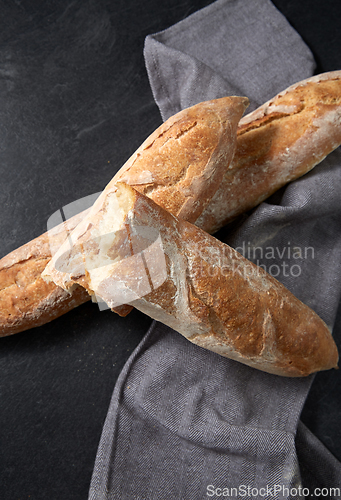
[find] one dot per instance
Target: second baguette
(200, 287)
(26, 300)
(277, 143)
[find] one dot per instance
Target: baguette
(270, 152)
(277, 143)
(26, 300)
(185, 278)
(180, 165)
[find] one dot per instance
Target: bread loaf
(180, 165)
(200, 287)
(26, 300)
(277, 143)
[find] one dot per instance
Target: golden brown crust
(277, 143)
(182, 163)
(208, 292)
(26, 300)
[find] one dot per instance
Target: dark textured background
(75, 103)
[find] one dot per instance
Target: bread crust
(203, 289)
(26, 300)
(181, 165)
(277, 143)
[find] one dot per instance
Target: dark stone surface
(75, 103)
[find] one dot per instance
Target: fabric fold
(243, 48)
(180, 78)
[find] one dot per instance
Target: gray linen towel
(185, 423)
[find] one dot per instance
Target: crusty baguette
(269, 154)
(180, 165)
(26, 300)
(280, 141)
(180, 275)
